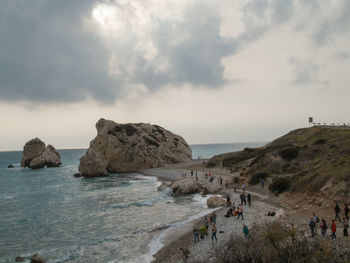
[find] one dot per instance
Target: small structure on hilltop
(37, 155)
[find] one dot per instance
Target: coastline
(180, 235)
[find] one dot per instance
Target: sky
(211, 71)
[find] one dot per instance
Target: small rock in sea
(77, 175)
(10, 166)
(36, 259)
(19, 259)
(221, 231)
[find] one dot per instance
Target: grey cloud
(46, 56)
(342, 55)
(305, 72)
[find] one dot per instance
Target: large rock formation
(132, 146)
(37, 155)
(215, 201)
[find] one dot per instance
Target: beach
(284, 206)
(182, 235)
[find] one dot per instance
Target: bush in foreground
(279, 184)
(255, 179)
(289, 153)
(276, 243)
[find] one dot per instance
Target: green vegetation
(279, 184)
(235, 179)
(276, 243)
(289, 153)
(255, 178)
(312, 157)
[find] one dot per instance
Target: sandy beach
(262, 203)
(182, 235)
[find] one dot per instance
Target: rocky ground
(290, 208)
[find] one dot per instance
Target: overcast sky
(211, 71)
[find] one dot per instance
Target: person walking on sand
(213, 232)
(243, 187)
(323, 227)
(244, 199)
(346, 211)
(312, 226)
(240, 212)
(316, 220)
(241, 197)
(196, 235)
(245, 231)
(213, 218)
(337, 211)
(262, 183)
(345, 226)
(235, 187)
(334, 229)
(249, 199)
(206, 224)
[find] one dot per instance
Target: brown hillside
(304, 160)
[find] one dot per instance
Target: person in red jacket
(333, 229)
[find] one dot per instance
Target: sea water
(120, 218)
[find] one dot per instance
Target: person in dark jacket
(337, 211)
(346, 211)
(249, 199)
(312, 225)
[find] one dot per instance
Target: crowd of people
(316, 223)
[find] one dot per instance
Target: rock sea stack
(132, 146)
(36, 155)
(10, 166)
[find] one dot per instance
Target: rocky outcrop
(10, 166)
(186, 186)
(37, 155)
(37, 259)
(215, 201)
(132, 146)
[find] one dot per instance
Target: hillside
(304, 160)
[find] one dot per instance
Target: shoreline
(292, 208)
(180, 235)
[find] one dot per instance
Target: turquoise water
(67, 219)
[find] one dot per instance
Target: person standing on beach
(206, 224)
(244, 199)
(241, 197)
(196, 235)
(191, 172)
(337, 211)
(245, 231)
(345, 226)
(213, 218)
(235, 187)
(323, 227)
(316, 220)
(312, 226)
(213, 232)
(243, 187)
(240, 212)
(346, 211)
(334, 229)
(249, 199)
(262, 183)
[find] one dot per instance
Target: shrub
(211, 164)
(319, 141)
(276, 243)
(235, 179)
(256, 178)
(289, 153)
(279, 184)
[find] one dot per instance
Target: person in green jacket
(245, 230)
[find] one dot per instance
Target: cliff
(132, 146)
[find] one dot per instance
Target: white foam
(157, 243)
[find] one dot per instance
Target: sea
(120, 218)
